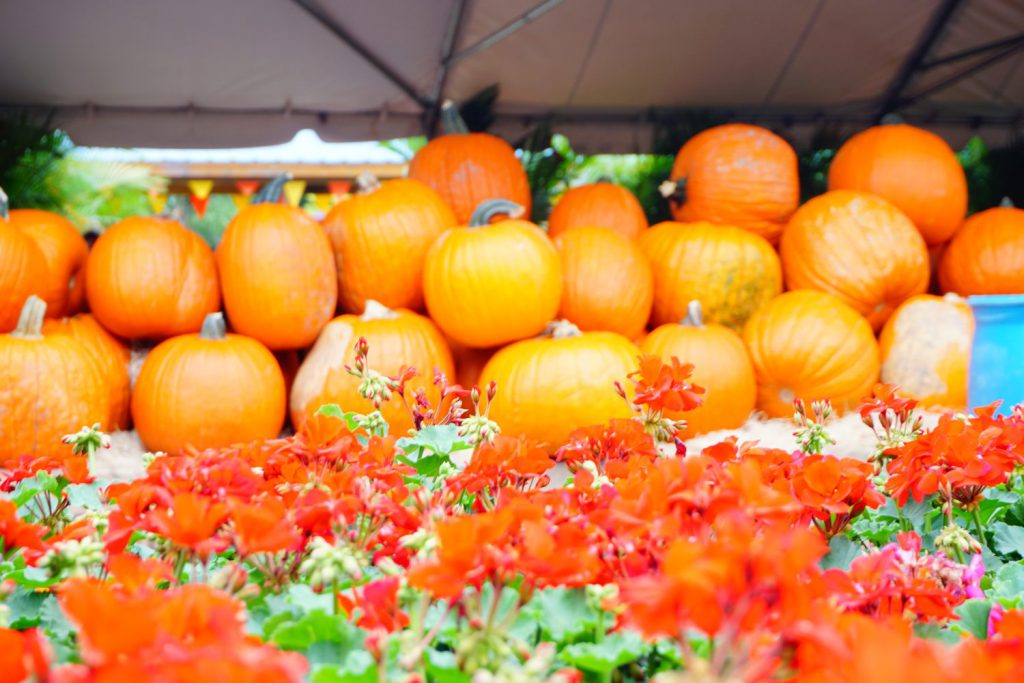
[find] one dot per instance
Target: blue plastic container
(997, 355)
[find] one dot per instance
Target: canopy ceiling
(228, 73)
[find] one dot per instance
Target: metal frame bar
(505, 31)
(451, 38)
(962, 74)
(973, 51)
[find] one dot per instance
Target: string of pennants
(294, 191)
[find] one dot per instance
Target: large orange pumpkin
(65, 252)
(278, 274)
(721, 365)
(380, 235)
(492, 284)
(732, 272)
(602, 204)
(607, 282)
(810, 345)
(111, 355)
(208, 390)
(151, 278)
(736, 174)
(913, 168)
(50, 386)
(395, 339)
(469, 168)
(987, 254)
(858, 247)
(23, 269)
(549, 386)
(926, 346)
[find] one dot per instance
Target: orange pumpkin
(278, 274)
(858, 247)
(925, 348)
(987, 255)
(23, 271)
(65, 252)
(50, 386)
(721, 365)
(469, 168)
(151, 278)
(732, 272)
(736, 174)
(380, 235)
(607, 282)
(912, 168)
(603, 204)
(208, 390)
(395, 339)
(111, 355)
(492, 284)
(810, 345)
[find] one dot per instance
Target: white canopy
(229, 73)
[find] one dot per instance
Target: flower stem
(978, 526)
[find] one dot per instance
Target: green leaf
(442, 668)
(51, 484)
(1015, 512)
(357, 667)
(25, 491)
(842, 552)
(317, 627)
(562, 614)
(25, 606)
(973, 618)
(85, 496)
(618, 649)
(334, 410)
(1008, 540)
(936, 632)
(1008, 581)
(32, 577)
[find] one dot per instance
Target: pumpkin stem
(365, 183)
(270, 193)
(561, 329)
(952, 296)
(489, 208)
(214, 327)
(30, 321)
(5, 205)
(893, 119)
(451, 122)
(1007, 203)
(694, 315)
(375, 310)
(673, 190)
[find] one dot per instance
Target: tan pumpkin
(926, 347)
(721, 365)
(549, 386)
(607, 282)
(50, 386)
(987, 254)
(380, 235)
(858, 247)
(810, 345)
(23, 271)
(732, 272)
(65, 251)
(603, 204)
(491, 284)
(396, 339)
(208, 390)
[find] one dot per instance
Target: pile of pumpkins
(771, 301)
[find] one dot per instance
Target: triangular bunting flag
(323, 200)
(339, 188)
(157, 201)
(293, 191)
(200, 188)
(247, 188)
(241, 200)
(199, 204)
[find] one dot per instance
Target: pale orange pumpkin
(395, 339)
(732, 272)
(208, 390)
(151, 278)
(549, 386)
(65, 251)
(380, 235)
(603, 204)
(858, 247)
(50, 386)
(607, 282)
(491, 284)
(810, 345)
(721, 365)
(926, 347)
(987, 254)
(23, 271)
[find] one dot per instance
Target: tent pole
(960, 75)
(974, 51)
(505, 31)
(451, 38)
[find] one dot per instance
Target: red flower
(663, 386)
(191, 522)
(16, 533)
(24, 655)
(264, 527)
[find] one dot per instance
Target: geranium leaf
(973, 618)
(842, 552)
(1008, 540)
(618, 649)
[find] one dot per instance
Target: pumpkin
(278, 273)
(208, 390)
(396, 339)
(925, 349)
(721, 365)
(603, 204)
(469, 168)
(151, 278)
(50, 386)
(987, 255)
(109, 353)
(23, 271)
(736, 174)
(380, 235)
(858, 247)
(489, 285)
(732, 272)
(607, 282)
(549, 386)
(912, 168)
(65, 252)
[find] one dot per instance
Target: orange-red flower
(191, 521)
(663, 386)
(15, 533)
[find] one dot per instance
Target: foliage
(993, 175)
